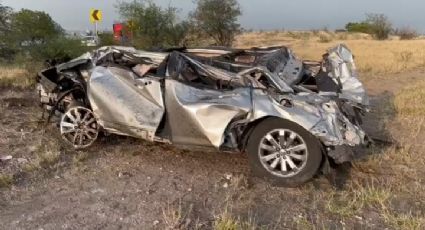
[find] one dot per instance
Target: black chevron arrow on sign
(95, 15)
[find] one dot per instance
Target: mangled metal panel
(300, 112)
(83, 59)
(130, 53)
(335, 129)
(206, 114)
(282, 63)
(97, 56)
(208, 52)
(272, 79)
(279, 61)
(322, 117)
(319, 115)
(124, 104)
(200, 116)
(343, 71)
(179, 64)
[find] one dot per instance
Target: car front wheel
(283, 152)
(79, 127)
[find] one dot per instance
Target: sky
(257, 14)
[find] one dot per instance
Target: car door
(126, 104)
(200, 116)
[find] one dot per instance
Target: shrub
(153, 26)
(218, 19)
(7, 54)
(315, 32)
(324, 38)
(107, 39)
(342, 36)
(406, 33)
(380, 25)
(33, 36)
(60, 48)
(377, 25)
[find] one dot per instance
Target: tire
(78, 127)
(296, 161)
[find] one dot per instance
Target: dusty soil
(125, 183)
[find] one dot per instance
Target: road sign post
(95, 18)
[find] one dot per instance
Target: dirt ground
(125, 183)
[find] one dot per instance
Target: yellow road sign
(95, 15)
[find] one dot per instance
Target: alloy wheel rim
(283, 152)
(78, 127)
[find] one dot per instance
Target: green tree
(6, 53)
(218, 19)
(359, 27)
(380, 25)
(178, 33)
(36, 36)
(153, 26)
(5, 12)
(31, 28)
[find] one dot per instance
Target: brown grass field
(376, 57)
(385, 190)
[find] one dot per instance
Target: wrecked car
(291, 117)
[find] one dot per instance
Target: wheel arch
(250, 128)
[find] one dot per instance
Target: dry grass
(302, 223)
(404, 221)
(5, 180)
(226, 221)
(357, 197)
(392, 175)
(47, 156)
(16, 77)
(175, 217)
(379, 189)
(375, 57)
(410, 101)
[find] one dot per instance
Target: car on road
(90, 41)
(291, 117)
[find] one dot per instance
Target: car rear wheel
(79, 127)
(283, 152)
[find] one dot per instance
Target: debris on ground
(5, 158)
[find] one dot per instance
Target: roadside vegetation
(16, 77)
(33, 36)
(377, 25)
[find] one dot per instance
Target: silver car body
(168, 109)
